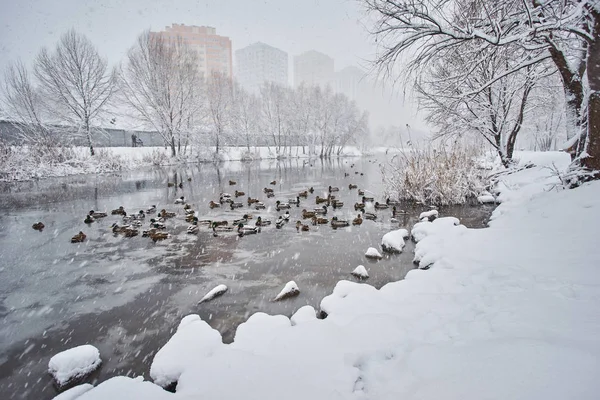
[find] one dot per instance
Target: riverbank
(504, 312)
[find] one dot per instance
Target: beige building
(313, 68)
(214, 51)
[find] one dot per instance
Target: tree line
(70, 90)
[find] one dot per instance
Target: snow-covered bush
(440, 175)
(156, 157)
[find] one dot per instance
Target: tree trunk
(592, 161)
(173, 148)
(89, 138)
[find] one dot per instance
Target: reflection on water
(126, 296)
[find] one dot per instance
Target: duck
(243, 220)
(295, 201)
(261, 222)
(165, 214)
(80, 237)
(247, 230)
(318, 220)
(260, 205)
(156, 224)
(193, 228)
(129, 232)
(180, 185)
(337, 204)
(119, 211)
(358, 220)
(346, 174)
(224, 195)
(322, 210)
(280, 205)
(156, 236)
(189, 179)
(365, 199)
(361, 192)
(311, 190)
(151, 209)
(252, 201)
(351, 186)
(221, 226)
(273, 182)
(286, 216)
(397, 213)
(140, 215)
(38, 226)
(307, 214)
(190, 217)
(149, 232)
(270, 194)
(189, 212)
(356, 172)
(220, 223)
(268, 190)
(186, 206)
(359, 206)
(236, 204)
(333, 189)
(392, 202)
(379, 206)
(170, 184)
(212, 204)
(280, 222)
(370, 215)
(239, 194)
(303, 194)
(232, 183)
(338, 223)
(180, 200)
(320, 200)
(88, 219)
(301, 227)
(96, 215)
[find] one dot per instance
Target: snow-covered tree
(244, 116)
(276, 115)
(219, 107)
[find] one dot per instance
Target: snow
(216, 292)
(360, 272)
(505, 312)
(394, 241)
(74, 363)
(372, 252)
(289, 290)
(486, 199)
(303, 315)
(431, 214)
(74, 392)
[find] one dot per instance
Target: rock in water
(74, 364)
(393, 242)
(373, 253)
(216, 292)
(289, 290)
(429, 215)
(360, 272)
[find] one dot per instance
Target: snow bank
(74, 363)
(303, 315)
(122, 387)
(360, 272)
(372, 252)
(216, 292)
(430, 215)
(425, 228)
(393, 241)
(289, 290)
(74, 392)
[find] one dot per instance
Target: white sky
(334, 27)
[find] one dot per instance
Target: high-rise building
(353, 82)
(259, 63)
(214, 51)
(313, 68)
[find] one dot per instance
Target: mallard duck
(239, 194)
(359, 206)
(88, 219)
(116, 228)
(193, 228)
(311, 190)
(156, 224)
(224, 195)
(281, 206)
(190, 217)
(140, 215)
(247, 230)
(267, 190)
(119, 211)
(320, 200)
(322, 210)
(262, 222)
(286, 216)
(38, 226)
(170, 184)
(252, 201)
(97, 215)
(180, 200)
(189, 212)
(165, 214)
(243, 220)
(333, 189)
(355, 172)
(303, 194)
(338, 223)
(379, 206)
(361, 192)
(236, 204)
(280, 222)
(301, 227)
(221, 226)
(318, 220)
(295, 201)
(392, 202)
(273, 182)
(151, 209)
(260, 205)
(220, 223)
(80, 237)
(370, 215)
(337, 204)
(156, 236)
(351, 186)
(186, 206)
(180, 185)
(357, 221)
(189, 179)
(149, 232)
(232, 183)
(346, 174)
(212, 204)
(307, 214)
(365, 199)
(129, 232)
(397, 213)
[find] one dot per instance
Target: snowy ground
(508, 312)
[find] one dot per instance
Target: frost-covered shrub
(156, 157)
(441, 175)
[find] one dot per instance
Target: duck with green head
(338, 223)
(96, 215)
(262, 222)
(247, 230)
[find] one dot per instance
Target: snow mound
(346, 297)
(122, 387)
(74, 363)
(289, 290)
(194, 340)
(216, 292)
(430, 215)
(74, 392)
(259, 331)
(393, 242)
(303, 315)
(360, 272)
(486, 198)
(372, 252)
(423, 229)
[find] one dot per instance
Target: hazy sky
(334, 27)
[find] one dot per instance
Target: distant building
(353, 82)
(313, 68)
(214, 51)
(259, 63)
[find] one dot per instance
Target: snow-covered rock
(360, 272)
(216, 292)
(74, 392)
(486, 198)
(303, 315)
(73, 364)
(123, 387)
(429, 215)
(393, 242)
(372, 252)
(193, 340)
(423, 229)
(289, 290)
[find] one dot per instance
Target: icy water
(127, 295)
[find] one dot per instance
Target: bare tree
(75, 82)
(244, 118)
(162, 87)
(219, 99)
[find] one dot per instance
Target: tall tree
(219, 98)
